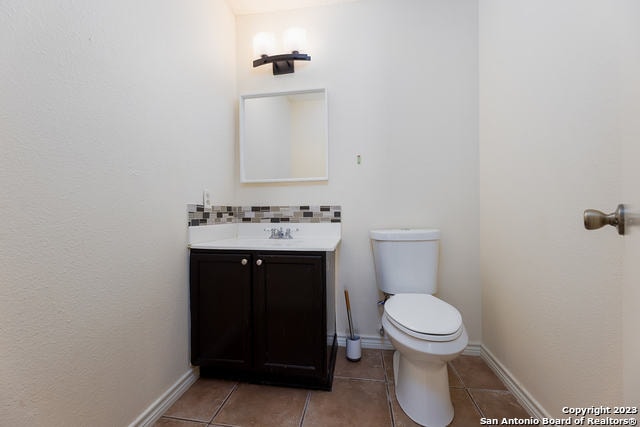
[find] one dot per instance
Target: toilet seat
(424, 316)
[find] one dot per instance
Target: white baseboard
(530, 404)
(473, 349)
(368, 341)
(383, 343)
(164, 402)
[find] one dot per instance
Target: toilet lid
(423, 313)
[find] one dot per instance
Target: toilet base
(423, 391)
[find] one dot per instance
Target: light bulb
(264, 44)
(295, 39)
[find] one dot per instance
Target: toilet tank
(406, 260)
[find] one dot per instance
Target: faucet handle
(273, 231)
(288, 233)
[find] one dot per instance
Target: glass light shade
(295, 39)
(264, 44)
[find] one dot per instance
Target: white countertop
(322, 237)
(328, 244)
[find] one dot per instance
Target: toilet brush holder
(354, 349)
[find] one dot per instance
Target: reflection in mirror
(283, 136)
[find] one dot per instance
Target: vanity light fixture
(264, 46)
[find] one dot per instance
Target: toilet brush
(346, 297)
(354, 352)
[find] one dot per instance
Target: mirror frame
(242, 143)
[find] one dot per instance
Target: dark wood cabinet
(267, 317)
(221, 310)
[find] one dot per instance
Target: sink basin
(323, 237)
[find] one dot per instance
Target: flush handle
(594, 219)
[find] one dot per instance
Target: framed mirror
(284, 136)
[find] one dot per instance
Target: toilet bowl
(420, 361)
(426, 331)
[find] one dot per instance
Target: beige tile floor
(362, 395)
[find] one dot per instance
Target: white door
(630, 139)
(560, 133)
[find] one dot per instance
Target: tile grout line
(221, 425)
(468, 390)
(374, 380)
(388, 390)
(190, 420)
(484, 389)
(455, 371)
(495, 390)
(215, 414)
(390, 405)
(304, 410)
(474, 403)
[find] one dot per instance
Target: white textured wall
(558, 84)
(113, 115)
(402, 88)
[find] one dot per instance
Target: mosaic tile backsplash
(199, 215)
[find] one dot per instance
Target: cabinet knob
(259, 262)
(244, 261)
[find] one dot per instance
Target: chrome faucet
(276, 233)
(279, 233)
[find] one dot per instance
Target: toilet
(425, 331)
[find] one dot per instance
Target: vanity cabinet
(221, 310)
(264, 316)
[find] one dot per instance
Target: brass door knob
(594, 219)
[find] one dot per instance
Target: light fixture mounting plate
(282, 64)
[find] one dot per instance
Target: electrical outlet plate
(206, 199)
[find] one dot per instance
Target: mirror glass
(284, 136)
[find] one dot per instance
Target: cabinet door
(290, 323)
(221, 309)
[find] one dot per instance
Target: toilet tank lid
(405, 234)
